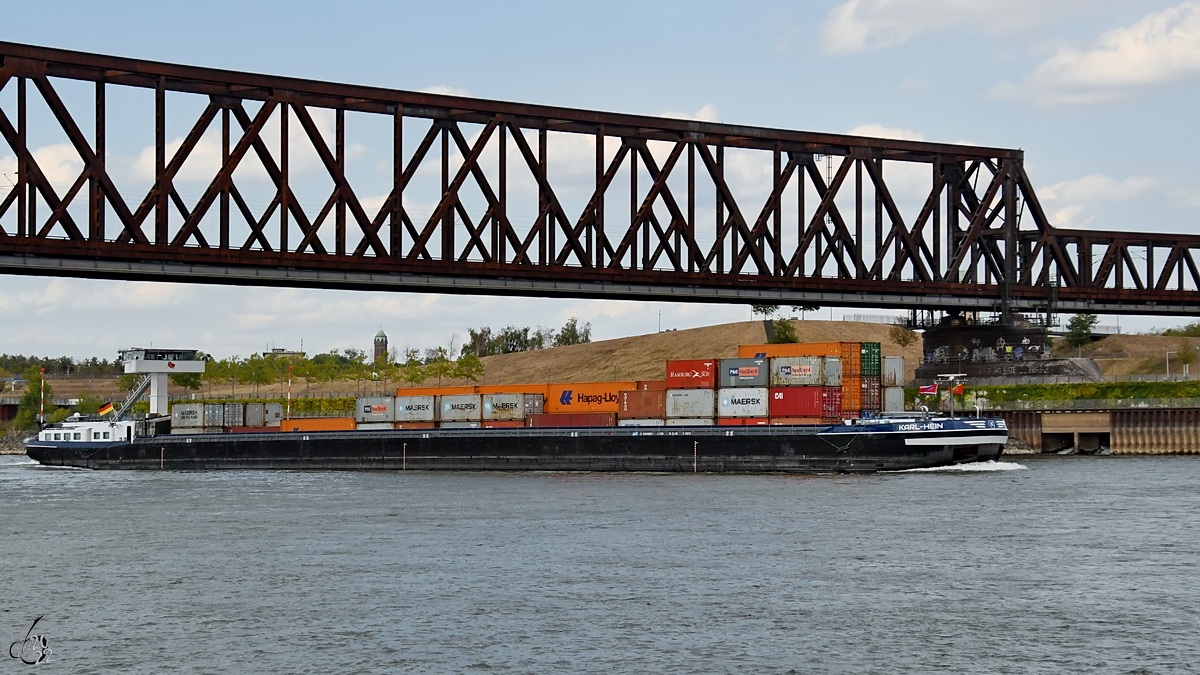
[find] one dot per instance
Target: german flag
(106, 408)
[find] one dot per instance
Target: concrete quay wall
(1126, 431)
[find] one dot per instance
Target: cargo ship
(809, 408)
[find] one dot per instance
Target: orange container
(851, 393)
(652, 385)
(796, 421)
(584, 397)
(436, 391)
(318, 424)
(416, 425)
(511, 389)
(503, 424)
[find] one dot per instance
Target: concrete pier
(1152, 431)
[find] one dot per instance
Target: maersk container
(832, 375)
(375, 409)
(214, 415)
(893, 371)
(743, 373)
(415, 408)
(197, 430)
(459, 408)
(235, 415)
(187, 415)
(458, 425)
(499, 407)
(691, 422)
(254, 415)
(535, 404)
(375, 426)
(871, 365)
(640, 423)
(743, 402)
(797, 371)
(691, 403)
(272, 414)
(893, 399)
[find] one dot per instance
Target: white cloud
(1073, 203)
(60, 163)
(880, 131)
(706, 113)
(1161, 49)
(862, 25)
(445, 89)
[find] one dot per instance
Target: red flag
(928, 389)
(959, 388)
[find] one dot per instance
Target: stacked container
(893, 384)
(690, 400)
(743, 393)
(643, 404)
(503, 407)
(459, 408)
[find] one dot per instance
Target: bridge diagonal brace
(735, 222)
(37, 178)
(555, 209)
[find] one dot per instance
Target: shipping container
(893, 371)
(797, 421)
(791, 349)
(214, 415)
(640, 423)
(375, 426)
(851, 392)
(743, 422)
(459, 424)
(535, 404)
(184, 415)
(832, 402)
(743, 373)
(852, 353)
(376, 409)
(573, 420)
(742, 402)
(797, 371)
(652, 385)
(503, 424)
(871, 393)
(436, 391)
(643, 404)
(690, 422)
(415, 408)
(272, 413)
(872, 365)
(797, 402)
(198, 430)
(584, 397)
(833, 371)
(893, 399)
(691, 403)
(415, 425)
(318, 424)
(694, 374)
(253, 430)
(459, 408)
(510, 389)
(254, 415)
(498, 407)
(234, 415)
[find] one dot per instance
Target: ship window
(95, 435)
(106, 435)
(78, 437)
(58, 437)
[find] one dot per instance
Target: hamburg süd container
(235, 415)
(459, 408)
(693, 374)
(497, 407)
(743, 373)
(572, 420)
(187, 415)
(375, 409)
(214, 415)
(691, 422)
(893, 371)
(893, 399)
(460, 424)
(643, 404)
(583, 397)
(833, 371)
(797, 402)
(691, 403)
(318, 424)
(797, 371)
(641, 423)
(375, 426)
(415, 408)
(254, 415)
(742, 402)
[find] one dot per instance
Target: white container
(640, 423)
(272, 414)
(833, 371)
(893, 371)
(503, 407)
(742, 402)
(797, 371)
(692, 403)
(893, 399)
(254, 415)
(535, 404)
(187, 415)
(214, 414)
(198, 430)
(375, 426)
(415, 408)
(459, 425)
(235, 415)
(691, 422)
(375, 409)
(459, 408)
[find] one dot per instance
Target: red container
(743, 422)
(502, 424)
(831, 402)
(797, 421)
(797, 401)
(416, 425)
(652, 385)
(871, 393)
(643, 404)
(701, 374)
(572, 420)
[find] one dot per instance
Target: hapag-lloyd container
(691, 422)
(833, 371)
(690, 403)
(742, 402)
(643, 404)
(459, 408)
(503, 406)
(187, 415)
(797, 402)
(415, 408)
(743, 373)
(375, 409)
(694, 374)
(797, 371)
(584, 397)
(893, 371)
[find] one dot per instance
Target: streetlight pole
(1169, 364)
(951, 377)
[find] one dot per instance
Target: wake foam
(972, 467)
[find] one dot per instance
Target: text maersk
(413, 407)
(460, 406)
(745, 401)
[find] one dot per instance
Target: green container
(872, 360)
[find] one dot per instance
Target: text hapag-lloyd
(606, 397)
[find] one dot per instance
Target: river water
(1063, 564)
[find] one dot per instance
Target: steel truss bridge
(256, 184)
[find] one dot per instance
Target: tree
(767, 311)
(190, 381)
(783, 332)
(128, 381)
(468, 367)
(1079, 329)
(902, 336)
(88, 404)
(572, 334)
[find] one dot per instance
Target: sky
(1101, 95)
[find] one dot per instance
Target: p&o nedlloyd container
(459, 408)
(797, 371)
(414, 409)
(690, 403)
(499, 407)
(742, 402)
(743, 373)
(375, 409)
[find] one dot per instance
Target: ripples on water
(1046, 565)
